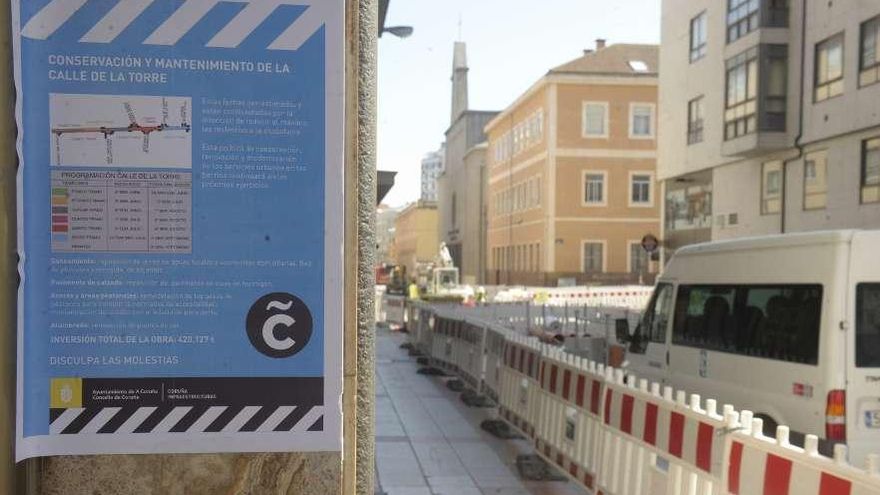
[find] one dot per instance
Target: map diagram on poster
(121, 130)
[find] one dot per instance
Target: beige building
(770, 117)
(386, 217)
(571, 186)
(415, 236)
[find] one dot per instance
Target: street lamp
(399, 31)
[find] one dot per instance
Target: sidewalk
(429, 443)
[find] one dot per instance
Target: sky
(510, 45)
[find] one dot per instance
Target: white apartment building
(432, 167)
(769, 117)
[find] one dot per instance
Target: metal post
(8, 260)
(528, 316)
(565, 316)
(544, 315)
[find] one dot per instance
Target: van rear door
(863, 348)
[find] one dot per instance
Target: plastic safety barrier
(630, 296)
(617, 435)
(569, 405)
(394, 310)
(494, 352)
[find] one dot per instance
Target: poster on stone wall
(180, 225)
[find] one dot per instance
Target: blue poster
(180, 225)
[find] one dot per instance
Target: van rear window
(778, 322)
(868, 325)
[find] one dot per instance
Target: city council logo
(279, 325)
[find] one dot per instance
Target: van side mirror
(621, 330)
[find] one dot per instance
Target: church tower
(459, 81)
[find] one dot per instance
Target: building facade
(415, 237)
(770, 118)
(460, 188)
(432, 167)
(571, 185)
(386, 217)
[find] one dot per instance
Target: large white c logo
(269, 332)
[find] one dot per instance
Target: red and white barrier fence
(630, 296)
(617, 435)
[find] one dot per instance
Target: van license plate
(872, 419)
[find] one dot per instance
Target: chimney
(588, 51)
(600, 43)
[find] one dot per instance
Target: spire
(459, 81)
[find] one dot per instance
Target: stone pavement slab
(429, 443)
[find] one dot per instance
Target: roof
(614, 60)
(611, 61)
(773, 241)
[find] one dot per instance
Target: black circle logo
(279, 325)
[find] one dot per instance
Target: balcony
(756, 144)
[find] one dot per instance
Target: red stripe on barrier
(560, 460)
(608, 407)
(777, 475)
(676, 434)
(579, 394)
(588, 480)
(626, 414)
(543, 367)
(566, 384)
(704, 447)
(553, 370)
(532, 364)
(832, 485)
(522, 360)
(594, 397)
(650, 433)
(736, 454)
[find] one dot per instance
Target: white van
(786, 326)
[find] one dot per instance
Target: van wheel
(770, 425)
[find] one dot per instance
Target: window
(869, 57)
(656, 317)
(779, 322)
(774, 87)
(771, 187)
(689, 207)
(829, 68)
(638, 66)
(695, 120)
(595, 119)
(593, 261)
(698, 37)
(868, 325)
(594, 188)
(815, 180)
(638, 258)
(640, 190)
(740, 115)
(742, 18)
(871, 170)
(641, 120)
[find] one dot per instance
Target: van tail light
(835, 416)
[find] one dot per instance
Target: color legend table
(120, 212)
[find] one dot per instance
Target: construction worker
(481, 295)
(413, 290)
